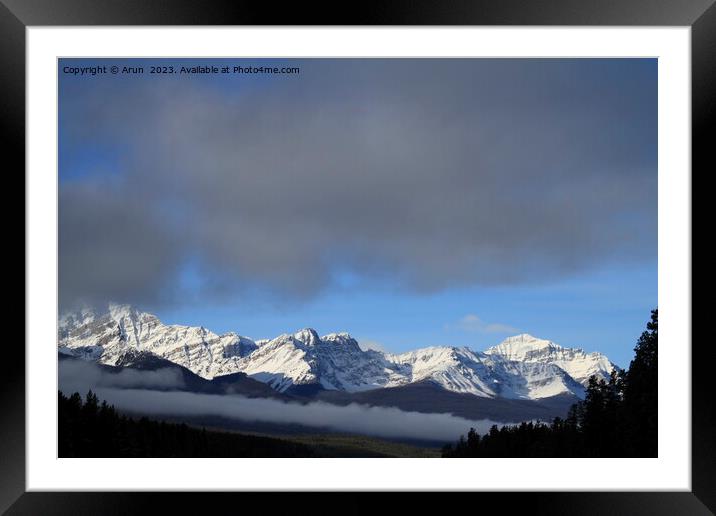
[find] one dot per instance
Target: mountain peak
(308, 336)
(527, 342)
(523, 338)
(522, 347)
(117, 311)
(341, 334)
(87, 313)
(120, 306)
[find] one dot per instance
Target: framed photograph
(423, 248)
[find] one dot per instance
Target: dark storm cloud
(112, 246)
(428, 174)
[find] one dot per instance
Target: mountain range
(525, 375)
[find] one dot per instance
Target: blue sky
(599, 311)
(409, 203)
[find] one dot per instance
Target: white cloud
(365, 345)
(473, 323)
(78, 375)
(134, 391)
(380, 421)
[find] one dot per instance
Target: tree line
(88, 428)
(617, 418)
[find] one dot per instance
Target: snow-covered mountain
(106, 336)
(574, 361)
(521, 367)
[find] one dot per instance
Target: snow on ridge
(521, 367)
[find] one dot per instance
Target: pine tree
(641, 394)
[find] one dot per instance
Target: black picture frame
(16, 15)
